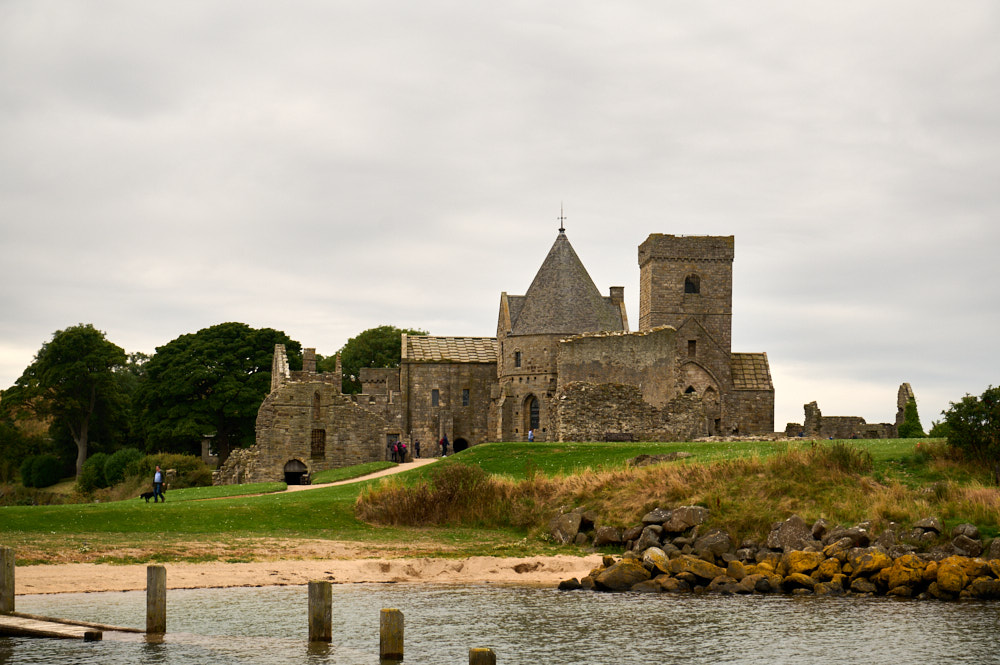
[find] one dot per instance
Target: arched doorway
(295, 473)
(460, 444)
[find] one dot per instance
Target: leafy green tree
(974, 428)
(211, 382)
(92, 477)
(375, 347)
(72, 381)
(910, 428)
(116, 469)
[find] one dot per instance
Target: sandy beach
(86, 577)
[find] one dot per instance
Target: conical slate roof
(562, 298)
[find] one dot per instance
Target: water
(268, 625)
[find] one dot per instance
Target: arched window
(533, 412)
(690, 389)
(692, 284)
(317, 406)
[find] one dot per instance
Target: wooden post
(482, 657)
(6, 580)
(156, 599)
(391, 635)
(320, 611)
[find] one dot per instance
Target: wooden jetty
(18, 624)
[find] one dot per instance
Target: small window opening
(465, 397)
(692, 348)
(690, 389)
(517, 359)
(318, 447)
(435, 397)
(692, 284)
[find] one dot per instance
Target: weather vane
(562, 219)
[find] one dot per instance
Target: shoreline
(93, 578)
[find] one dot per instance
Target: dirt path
(399, 468)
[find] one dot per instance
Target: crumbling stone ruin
(563, 365)
(818, 426)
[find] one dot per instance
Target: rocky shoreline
(671, 552)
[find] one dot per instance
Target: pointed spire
(562, 219)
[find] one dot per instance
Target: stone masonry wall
(589, 412)
(452, 415)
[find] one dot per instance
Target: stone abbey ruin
(563, 365)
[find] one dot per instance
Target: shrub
(27, 471)
(974, 428)
(92, 474)
(843, 457)
(910, 428)
(47, 471)
(121, 465)
(191, 470)
(939, 430)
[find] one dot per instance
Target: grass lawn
(328, 513)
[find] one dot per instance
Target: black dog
(149, 495)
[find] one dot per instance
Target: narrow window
(517, 359)
(435, 397)
(465, 397)
(692, 284)
(533, 412)
(690, 390)
(318, 447)
(692, 348)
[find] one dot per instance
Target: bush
(939, 430)
(121, 465)
(47, 471)
(27, 471)
(843, 457)
(910, 428)
(191, 470)
(92, 474)
(974, 428)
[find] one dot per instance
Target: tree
(211, 382)
(375, 347)
(72, 381)
(974, 428)
(910, 428)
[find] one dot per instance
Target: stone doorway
(460, 444)
(296, 473)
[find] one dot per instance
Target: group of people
(398, 451)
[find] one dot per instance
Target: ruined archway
(460, 444)
(295, 472)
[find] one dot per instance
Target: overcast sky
(325, 167)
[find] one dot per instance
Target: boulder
(685, 517)
(800, 562)
(736, 570)
(861, 585)
(930, 524)
(967, 530)
(632, 532)
(655, 561)
(985, 588)
(571, 584)
(790, 534)
(716, 541)
(697, 567)
(607, 535)
(726, 585)
(797, 581)
(581, 539)
(951, 576)
(828, 589)
(656, 516)
(967, 546)
(907, 571)
(993, 550)
(647, 586)
(650, 537)
(673, 584)
(839, 548)
(867, 561)
(827, 570)
(565, 527)
(819, 529)
(622, 576)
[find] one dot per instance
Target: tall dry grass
(745, 496)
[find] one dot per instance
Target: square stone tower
(687, 277)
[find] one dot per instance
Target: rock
(936, 591)
(655, 561)
(827, 570)
(985, 588)
(967, 530)
(867, 561)
(697, 567)
(673, 584)
(633, 532)
(839, 548)
(572, 584)
(907, 571)
(656, 516)
(650, 538)
(647, 586)
(685, 517)
(607, 535)
(622, 576)
(725, 585)
(966, 546)
(716, 541)
(581, 539)
(859, 534)
(607, 561)
(900, 592)
(930, 524)
(819, 529)
(797, 581)
(565, 527)
(993, 550)
(828, 589)
(789, 535)
(736, 570)
(951, 576)
(746, 555)
(800, 562)
(861, 585)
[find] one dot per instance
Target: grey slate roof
(424, 348)
(563, 298)
(751, 371)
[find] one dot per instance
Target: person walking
(416, 448)
(444, 445)
(158, 486)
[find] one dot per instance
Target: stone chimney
(309, 360)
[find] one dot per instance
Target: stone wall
(463, 402)
(818, 426)
(592, 412)
(750, 411)
(644, 360)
